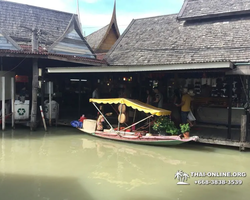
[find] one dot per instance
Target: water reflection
(123, 159)
(63, 164)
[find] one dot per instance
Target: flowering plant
(165, 124)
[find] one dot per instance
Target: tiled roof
(94, 39)
(165, 40)
(17, 21)
(15, 17)
(210, 8)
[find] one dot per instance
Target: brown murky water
(65, 164)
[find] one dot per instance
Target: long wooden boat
(138, 137)
(148, 140)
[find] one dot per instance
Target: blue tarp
(76, 124)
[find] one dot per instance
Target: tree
(185, 177)
(179, 175)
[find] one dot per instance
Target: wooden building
(205, 40)
(103, 39)
(33, 38)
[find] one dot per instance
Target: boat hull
(145, 140)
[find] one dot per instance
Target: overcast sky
(96, 14)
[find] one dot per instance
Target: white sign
(210, 178)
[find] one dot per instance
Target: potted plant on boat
(160, 125)
(171, 128)
(164, 126)
(185, 129)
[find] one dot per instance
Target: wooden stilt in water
(44, 123)
(33, 123)
(13, 102)
(3, 103)
(243, 133)
(50, 99)
(42, 89)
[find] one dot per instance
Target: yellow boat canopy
(135, 104)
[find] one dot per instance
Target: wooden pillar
(50, 103)
(243, 133)
(33, 119)
(243, 128)
(3, 103)
(79, 99)
(13, 102)
(229, 129)
(42, 89)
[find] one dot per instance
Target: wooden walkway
(218, 135)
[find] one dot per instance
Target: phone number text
(218, 182)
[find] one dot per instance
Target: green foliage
(185, 128)
(165, 124)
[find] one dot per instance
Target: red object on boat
(82, 118)
(121, 128)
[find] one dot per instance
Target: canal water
(65, 164)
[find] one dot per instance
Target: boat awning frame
(135, 104)
(141, 68)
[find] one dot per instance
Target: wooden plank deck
(218, 135)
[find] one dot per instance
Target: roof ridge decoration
(207, 9)
(113, 21)
(106, 31)
(73, 26)
(13, 45)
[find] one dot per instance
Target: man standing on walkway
(95, 94)
(158, 98)
(185, 105)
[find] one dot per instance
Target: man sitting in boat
(147, 125)
(100, 123)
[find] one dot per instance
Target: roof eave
(145, 68)
(237, 13)
(20, 54)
